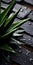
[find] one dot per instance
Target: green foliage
(5, 28)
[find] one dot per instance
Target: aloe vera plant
(7, 27)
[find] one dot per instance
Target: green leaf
(6, 47)
(16, 24)
(3, 14)
(0, 6)
(14, 27)
(12, 30)
(11, 18)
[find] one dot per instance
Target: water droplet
(29, 23)
(25, 7)
(21, 10)
(29, 39)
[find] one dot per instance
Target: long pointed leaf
(0, 6)
(16, 24)
(7, 48)
(11, 18)
(13, 27)
(3, 15)
(12, 30)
